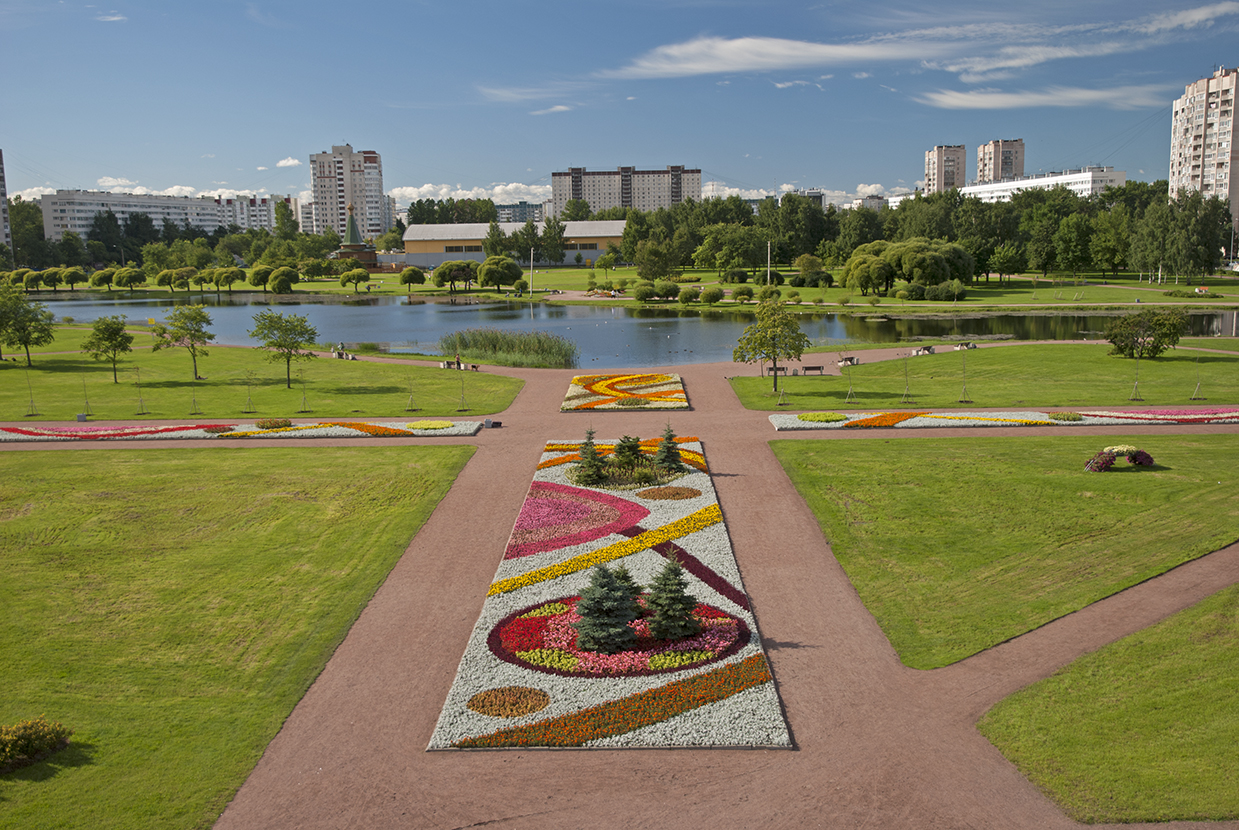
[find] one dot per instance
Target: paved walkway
(876, 744)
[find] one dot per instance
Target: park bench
(818, 369)
(923, 350)
(963, 347)
(850, 361)
(778, 370)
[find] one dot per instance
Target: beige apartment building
(625, 187)
(6, 231)
(1203, 155)
(1000, 160)
(945, 168)
(343, 177)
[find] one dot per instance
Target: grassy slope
(1008, 376)
(334, 388)
(1145, 729)
(958, 544)
(173, 606)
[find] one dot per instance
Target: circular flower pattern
(669, 493)
(509, 701)
(556, 516)
(541, 638)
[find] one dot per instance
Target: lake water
(607, 337)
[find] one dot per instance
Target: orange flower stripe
(703, 518)
(884, 419)
(633, 712)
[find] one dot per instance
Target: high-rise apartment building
(6, 232)
(1203, 155)
(249, 212)
(625, 187)
(1000, 161)
(945, 168)
(343, 177)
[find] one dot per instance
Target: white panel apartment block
(1203, 155)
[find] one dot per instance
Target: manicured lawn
(333, 388)
(1146, 729)
(956, 545)
(172, 606)
(1064, 375)
(1226, 344)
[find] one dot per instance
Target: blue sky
(488, 98)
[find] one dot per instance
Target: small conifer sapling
(672, 605)
(628, 452)
(606, 608)
(667, 458)
(590, 468)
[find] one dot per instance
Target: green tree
(454, 271)
(606, 607)
(552, 241)
(653, 260)
(527, 239)
(30, 248)
(412, 276)
(185, 327)
(775, 335)
(52, 277)
(393, 240)
(24, 323)
(1072, 243)
(575, 210)
(1008, 259)
(70, 249)
(286, 225)
(499, 270)
(260, 275)
(283, 279)
(354, 278)
(742, 294)
(225, 277)
(627, 452)
(496, 242)
(108, 340)
(32, 280)
(672, 605)
(689, 294)
(130, 278)
(73, 276)
(1146, 334)
(667, 456)
(711, 295)
(287, 337)
(1110, 240)
(590, 469)
(103, 276)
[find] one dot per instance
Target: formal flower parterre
(652, 390)
(711, 689)
(322, 429)
(930, 420)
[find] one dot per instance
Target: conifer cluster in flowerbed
(629, 463)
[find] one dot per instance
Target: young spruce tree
(606, 607)
(672, 604)
(667, 458)
(590, 469)
(628, 452)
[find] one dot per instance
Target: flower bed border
(895, 419)
(325, 429)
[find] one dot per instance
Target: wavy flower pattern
(524, 637)
(652, 390)
(322, 429)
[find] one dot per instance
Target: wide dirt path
(876, 744)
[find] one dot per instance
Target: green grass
(1146, 729)
(956, 545)
(333, 388)
(1225, 344)
(1067, 375)
(172, 606)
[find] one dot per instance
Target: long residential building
(1087, 181)
(1203, 155)
(626, 187)
(74, 210)
(429, 246)
(343, 177)
(6, 230)
(946, 167)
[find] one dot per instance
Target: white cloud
(31, 194)
(227, 193)
(208, 155)
(500, 193)
(1119, 98)
(111, 17)
(861, 75)
(108, 182)
(549, 110)
(288, 162)
(262, 168)
(712, 190)
(113, 184)
(516, 94)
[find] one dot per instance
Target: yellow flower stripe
(995, 420)
(703, 518)
(294, 428)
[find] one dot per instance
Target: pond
(607, 337)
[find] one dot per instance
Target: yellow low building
(429, 246)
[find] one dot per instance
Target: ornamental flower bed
(525, 682)
(929, 420)
(323, 429)
(653, 390)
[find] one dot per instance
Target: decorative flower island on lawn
(527, 680)
(653, 390)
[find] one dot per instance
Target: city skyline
(761, 99)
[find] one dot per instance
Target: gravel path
(876, 744)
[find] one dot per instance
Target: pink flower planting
(556, 516)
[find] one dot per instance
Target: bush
(644, 293)
(793, 297)
(689, 295)
(520, 286)
(797, 281)
(768, 293)
(742, 294)
(736, 275)
(711, 295)
(873, 299)
(1179, 292)
(29, 739)
(273, 423)
(845, 299)
(666, 289)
